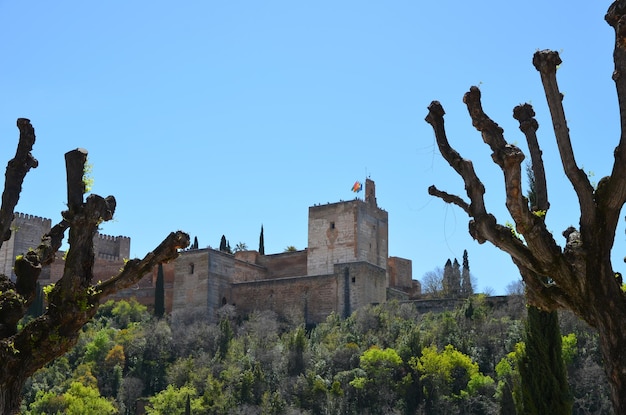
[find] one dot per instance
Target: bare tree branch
(546, 62)
(617, 187)
(14, 176)
(135, 269)
(528, 125)
(484, 226)
(473, 186)
(449, 198)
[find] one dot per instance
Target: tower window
(353, 279)
(332, 225)
(191, 268)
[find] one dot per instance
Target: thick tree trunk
(11, 395)
(613, 344)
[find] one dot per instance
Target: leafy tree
(159, 293)
(78, 400)
(378, 384)
(582, 278)
(74, 299)
(241, 246)
(124, 313)
(173, 401)
(290, 248)
(448, 373)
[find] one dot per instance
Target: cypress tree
(542, 370)
(37, 306)
(159, 294)
(223, 244)
(447, 281)
(261, 243)
(466, 280)
(543, 376)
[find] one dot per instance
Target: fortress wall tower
(347, 232)
(26, 233)
(112, 248)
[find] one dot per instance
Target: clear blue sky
(217, 117)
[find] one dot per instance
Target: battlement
(111, 247)
(25, 217)
(111, 237)
(27, 231)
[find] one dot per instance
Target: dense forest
(384, 359)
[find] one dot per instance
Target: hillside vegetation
(384, 359)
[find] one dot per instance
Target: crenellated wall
(111, 248)
(345, 266)
(26, 233)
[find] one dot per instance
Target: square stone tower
(26, 233)
(345, 232)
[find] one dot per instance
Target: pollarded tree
(582, 278)
(74, 299)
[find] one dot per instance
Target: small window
(332, 225)
(191, 268)
(224, 301)
(353, 279)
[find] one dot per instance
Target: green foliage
(88, 180)
(380, 360)
(172, 401)
(569, 349)
(78, 400)
(543, 378)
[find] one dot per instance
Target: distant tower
(345, 232)
(26, 233)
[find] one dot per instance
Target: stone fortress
(345, 266)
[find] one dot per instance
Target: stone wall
(192, 279)
(372, 230)
(286, 264)
(400, 271)
(332, 236)
(346, 232)
(311, 299)
(359, 284)
(111, 247)
(26, 233)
